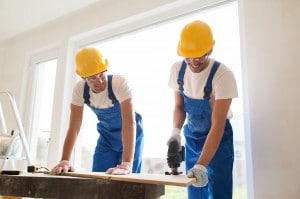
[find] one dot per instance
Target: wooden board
(41, 185)
(159, 179)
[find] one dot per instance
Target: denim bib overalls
(196, 129)
(109, 148)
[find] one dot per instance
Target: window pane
(43, 104)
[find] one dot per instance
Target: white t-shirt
(223, 83)
(120, 88)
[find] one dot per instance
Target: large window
(145, 57)
(42, 105)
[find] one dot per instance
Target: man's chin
(97, 89)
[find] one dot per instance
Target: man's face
(197, 64)
(97, 82)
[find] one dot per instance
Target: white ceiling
(17, 16)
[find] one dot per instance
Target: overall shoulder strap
(86, 94)
(111, 94)
(208, 86)
(181, 75)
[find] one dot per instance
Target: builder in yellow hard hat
(120, 143)
(203, 91)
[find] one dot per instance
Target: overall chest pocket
(199, 124)
(110, 121)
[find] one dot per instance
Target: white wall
(270, 40)
(270, 48)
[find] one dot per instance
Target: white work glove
(62, 167)
(198, 172)
(122, 169)
(175, 135)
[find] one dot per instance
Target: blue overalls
(195, 131)
(109, 148)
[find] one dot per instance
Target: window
(145, 57)
(42, 111)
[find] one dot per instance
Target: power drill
(175, 156)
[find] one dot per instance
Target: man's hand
(122, 169)
(62, 167)
(175, 135)
(198, 172)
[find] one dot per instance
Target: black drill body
(175, 156)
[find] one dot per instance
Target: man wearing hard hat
(120, 143)
(203, 90)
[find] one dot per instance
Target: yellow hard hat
(196, 40)
(90, 61)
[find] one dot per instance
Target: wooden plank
(39, 185)
(159, 179)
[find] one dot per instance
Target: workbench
(39, 185)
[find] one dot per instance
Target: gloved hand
(62, 167)
(122, 169)
(175, 135)
(198, 172)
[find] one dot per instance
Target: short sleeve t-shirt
(120, 88)
(223, 84)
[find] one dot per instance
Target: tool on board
(175, 156)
